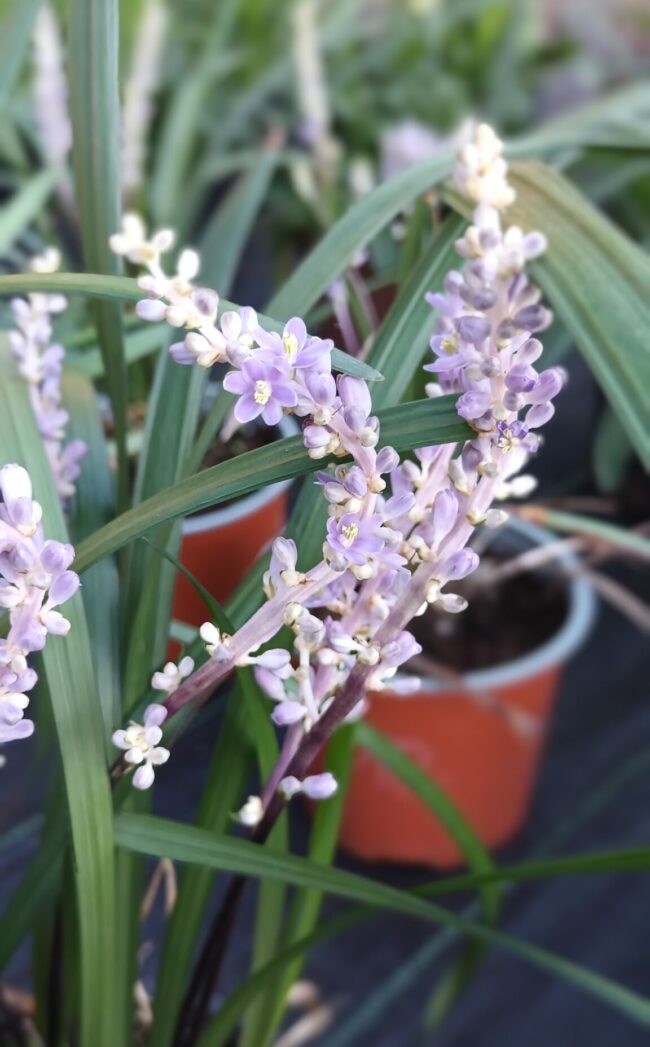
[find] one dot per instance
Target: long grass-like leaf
(93, 32)
(24, 206)
(597, 281)
(163, 838)
(93, 506)
(15, 32)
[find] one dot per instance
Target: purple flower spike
(263, 390)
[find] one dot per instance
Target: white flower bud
(495, 517)
(368, 655)
(251, 813)
(363, 571)
(522, 486)
(452, 603)
(433, 591)
(293, 612)
(368, 437)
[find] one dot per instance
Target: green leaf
(93, 506)
(405, 427)
(271, 894)
(226, 777)
(163, 838)
(125, 288)
(173, 410)
(69, 671)
(307, 904)
(15, 34)
(403, 338)
(613, 453)
(367, 1011)
(597, 282)
(24, 206)
(93, 32)
(138, 345)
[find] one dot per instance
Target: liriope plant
(378, 537)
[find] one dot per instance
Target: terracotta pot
(470, 740)
(220, 546)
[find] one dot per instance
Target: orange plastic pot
(219, 547)
(481, 742)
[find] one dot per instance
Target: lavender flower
(34, 581)
(294, 349)
(263, 390)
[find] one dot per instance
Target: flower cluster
(398, 533)
(34, 581)
(40, 362)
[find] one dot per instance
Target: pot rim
(250, 503)
(555, 651)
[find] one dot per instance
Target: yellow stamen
(350, 532)
(262, 393)
(290, 343)
(449, 345)
(507, 441)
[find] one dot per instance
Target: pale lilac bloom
(263, 390)
(355, 539)
(171, 676)
(294, 348)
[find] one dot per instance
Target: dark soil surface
(503, 621)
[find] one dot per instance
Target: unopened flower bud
(293, 612)
(251, 813)
(495, 518)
